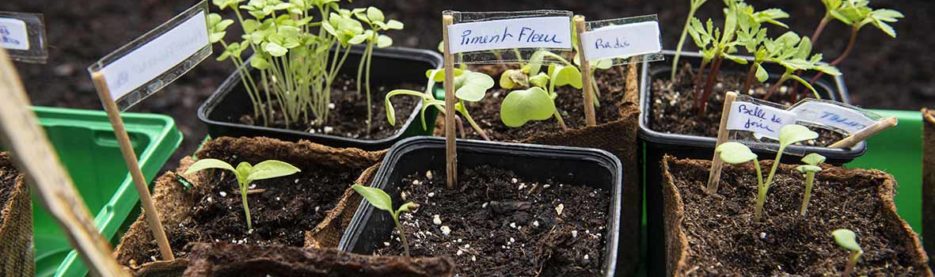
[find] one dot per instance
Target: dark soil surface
(7, 181)
(881, 73)
(724, 240)
(500, 225)
(674, 111)
(225, 259)
(348, 118)
(282, 209)
(570, 101)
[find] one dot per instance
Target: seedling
(377, 23)
(246, 174)
(792, 53)
(297, 56)
(810, 168)
(380, 200)
(737, 153)
(693, 7)
(469, 87)
(537, 102)
(848, 240)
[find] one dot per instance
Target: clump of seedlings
(469, 87)
(848, 240)
(380, 200)
(810, 168)
(298, 49)
(535, 96)
(246, 174)
(737, 153)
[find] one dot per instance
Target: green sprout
(377, 23)
(537, 101)
(792, 53)
(246, 174)
(292, 43)
(469, 87)
(737, 153)
(810, 168)
(695, 4)
(848, 240)
(380, 200)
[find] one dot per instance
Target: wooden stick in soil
(862, 135)
(126, 148)
(451, 153)
(714, 175)
(20, 133)
(585, 75)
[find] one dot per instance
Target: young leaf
(806, 168)
(521, 106)
(565, 75)
(375, 15)
(735, 153)
(408, 206)
(203, 164)
(377, 197)
(271, 169)
(846, 239)
(472, 86)
(793, 133)
(813, 159)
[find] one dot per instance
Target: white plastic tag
(13, 34)
(530, 32)
(760, 119)
(622, 41)
(834, 115)
(23, 36)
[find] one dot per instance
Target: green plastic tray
(86, 146)
(898, 151)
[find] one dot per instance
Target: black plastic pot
(656, 144)
(569, 165)
(391, 66)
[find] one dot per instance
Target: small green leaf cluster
(858, 13)
(298, 48)
(246, 174)
(737, 153)
(381, 200)
(534, 97)
(469, 86)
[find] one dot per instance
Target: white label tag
(836, 116)
(13, 34)
(155, 57)
(621, 41)
(530, 32)
(759, 119)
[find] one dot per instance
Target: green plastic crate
(898, 151)
(89, 151)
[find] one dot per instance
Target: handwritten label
(530, 32)
(153, 58)
(622, 41)
(832, 115)
(13, 34)
(759, 119)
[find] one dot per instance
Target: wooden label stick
(714, 175)
(585, 74)
(857, 137)
(32, 153)
(451, 153)
(152, 216)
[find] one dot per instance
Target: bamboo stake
(585, 75)
(20, 133)
(451, 153)
(862, 135)
(714, 176)
(152, 216)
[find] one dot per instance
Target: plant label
(621, 41)
(849, 119)
(757, 118)
(551, 32)
(154, 60)
(23, 36)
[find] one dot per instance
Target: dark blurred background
(881, 73)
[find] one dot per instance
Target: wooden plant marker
(714, 175)
(862, 135)
(34, 155)
(451, 151)
(589, 115)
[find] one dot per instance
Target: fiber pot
(928, 180)
(391, 67)
(226, 259)
(532, 165)
(16, 250)
(206, 204)
(615, 132)
(656, 143)
(718, 235)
